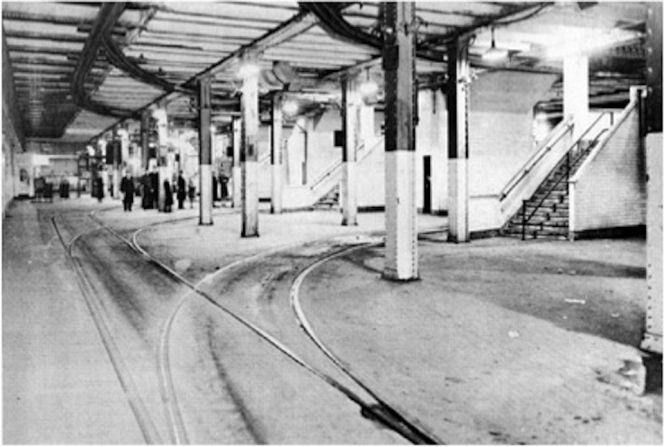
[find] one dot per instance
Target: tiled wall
(610, 190)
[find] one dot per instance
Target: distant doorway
(426, 206)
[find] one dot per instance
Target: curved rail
(381, 412)
(136, 403)
(416, 432)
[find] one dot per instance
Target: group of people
(149, 191)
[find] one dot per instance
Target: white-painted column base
(163, 175)
(250, 199)
(458, 200)
(277, 192)
(349, 193)
(652, 339)
(205, 209)
(401, 261)
(237, 186)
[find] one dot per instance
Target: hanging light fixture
(369, 87)
(493, 53)
(291, 107)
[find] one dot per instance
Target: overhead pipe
(332, 20)
(107, 17)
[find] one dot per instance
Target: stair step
(536, 235)
(561, 223)
(542, 225)
(547, 212)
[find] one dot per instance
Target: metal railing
(570, 162)
(361, 151)
(567, 126)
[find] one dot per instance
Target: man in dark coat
(215, 188)
(127, 187)
(154, 185)
(146, 186)
(99, 188)
(168, 199)
(182, 191)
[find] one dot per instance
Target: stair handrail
(615, 125)
(568, 166)
(566, 125)
(362, 149)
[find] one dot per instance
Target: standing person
(146, 188)
(224, 186)
(168, 200)
(215, 188)
(127, 187)
(99, 188)
(154, 189)
(182, 191)
(191, 192)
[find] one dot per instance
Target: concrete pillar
(457, 140)
(367, 125)
(117, 150)
(350, 131)
(161, 118)
(125, 162)
(276, 155)
(575, 92)
(236, 139)
(145, 139)
(249, 152)
(204, 152)
(652, 339)
(401, 262)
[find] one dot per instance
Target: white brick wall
(500, 126)
(610, 190)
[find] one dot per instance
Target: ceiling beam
(106, 18)
(298, 24)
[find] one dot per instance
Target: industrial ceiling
(79, 68)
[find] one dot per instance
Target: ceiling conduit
(108, 15)
(332, 20)
(117, 58)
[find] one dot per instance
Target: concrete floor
(499, 342)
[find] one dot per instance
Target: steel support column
(349, 129)
(145, 140)
(237, 169)
(249, 153)
(276, 155)
(457, 128)
(401, 261)
(116, 147)
(162, 153)
(652, 338)
(205, 152)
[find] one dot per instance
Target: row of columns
(401, 261)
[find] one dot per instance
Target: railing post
(523, 220)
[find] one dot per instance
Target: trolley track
(415, 430)
(144, 420)
(379, 410)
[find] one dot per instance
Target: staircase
(325, 188)
(546, 213)
(329, 200)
